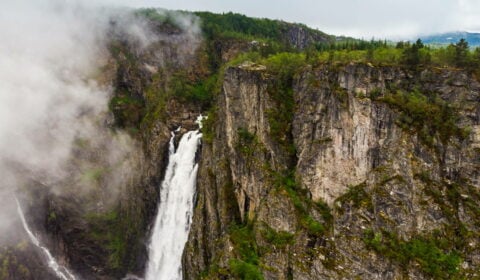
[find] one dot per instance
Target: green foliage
(181, 87)
(358, 196)
(279, 239)
(303, 204)
(208, 129)
(245, 270)
(386, 56)
(232, 25)
(106, 229)
(343, 56)
(413, 56)
(325, 211)
(196, 92)
(127, 109)
(425, 252)
(12, 266)
(52, 216)
(451, 196)
(312, 226)
(243, 239)
(155, 101)
(461, 53)
(247, 142)
(349, 44)
(427, 115)
(93, 175)
(164, 16)
(284, 66)
(247, 56)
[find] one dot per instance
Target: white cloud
(50, 51)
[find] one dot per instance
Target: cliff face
(366, 188)
(342, 172)
(301, 37)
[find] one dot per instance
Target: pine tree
(461, 53)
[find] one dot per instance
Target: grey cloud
(53, 112)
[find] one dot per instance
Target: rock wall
(361, 178)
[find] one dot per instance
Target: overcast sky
(393, 19)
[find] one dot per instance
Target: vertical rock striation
(368, 183)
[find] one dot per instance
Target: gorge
(321, 157)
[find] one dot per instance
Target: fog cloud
(54, 119)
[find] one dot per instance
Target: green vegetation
(450, 196)
(247, 142)
(232, 25)
(244, 270)
(238, 26)
(93, 175)
(304, 205)
(196, 91)
(312, 226)
(247, 265)
(284, 66)
(279, 239)
(358, 197)
(127, 109)
(414, 56)
(426, 252)
(52, 216)
(12, 267)
(107, 229)
(208, 129)
(427, 115)
(166, 17)
(181, 87)
(423, 113)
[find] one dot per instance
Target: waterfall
(61, 271)
(172, 224)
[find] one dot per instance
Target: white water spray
(61, 271)
(174, 217)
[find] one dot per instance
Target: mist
(55, 128)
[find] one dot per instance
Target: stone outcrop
(378, 178)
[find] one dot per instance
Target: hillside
(452, 37)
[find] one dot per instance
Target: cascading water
(175, 209)
(61, 271)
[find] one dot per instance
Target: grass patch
(106, 229)
(284, 66)
(277, 238)
(427, 115)
(208, 129)
(304, 205)
(245, 270)
(247, 143)
(423, 251)
(358, 197)
(247, 264)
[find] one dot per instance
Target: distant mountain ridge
(473, 39)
